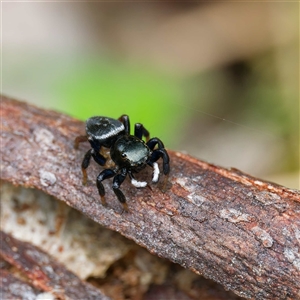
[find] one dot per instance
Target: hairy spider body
(113, 147)
(104, 131)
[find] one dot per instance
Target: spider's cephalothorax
(110, 139)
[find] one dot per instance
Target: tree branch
(228, 226)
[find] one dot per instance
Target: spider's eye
(123, 155)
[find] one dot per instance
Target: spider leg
(80, 139)
(84, 165)
(155, 141)
(125, 120)
(156, 172)
(157, 153)
(96, 146)
(118, 180)
(160, 152)
(105, 174)
(99, 159)
(140, 131)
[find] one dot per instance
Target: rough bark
(12, 287)
(228, 226)
(44, 272)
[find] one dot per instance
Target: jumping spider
(122, 153)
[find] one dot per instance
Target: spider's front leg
(118, 180)
(140, 131)
(160, 152)
(125, 120)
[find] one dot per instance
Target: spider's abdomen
(104, 130)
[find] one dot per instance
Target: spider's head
(130, 152)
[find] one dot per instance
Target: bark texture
(238, 230)
(12, 287)
(44, 272)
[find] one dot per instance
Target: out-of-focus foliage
(219, 80)
(99, 88)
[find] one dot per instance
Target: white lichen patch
(187, 184)
(297, 232)
(267, 198)
(289, 254)
(182, 181)
(45, 139)
(235, 216)
(190, 186)
(259, 270)
(293, 256)
(21, 290)
(43, 136)
(45, 296)
(263, 236)
(294, 232)
(197, 179)
(47, 178)
(258, 182)
(196, 199)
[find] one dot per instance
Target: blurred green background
(217, 80)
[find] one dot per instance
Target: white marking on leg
(138, 183)
(155, 172)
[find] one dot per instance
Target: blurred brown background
(219, 80)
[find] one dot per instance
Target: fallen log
(235, 229)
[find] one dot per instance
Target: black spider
(122, 153)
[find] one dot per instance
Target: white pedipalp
(137, 183)
(155, 176)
